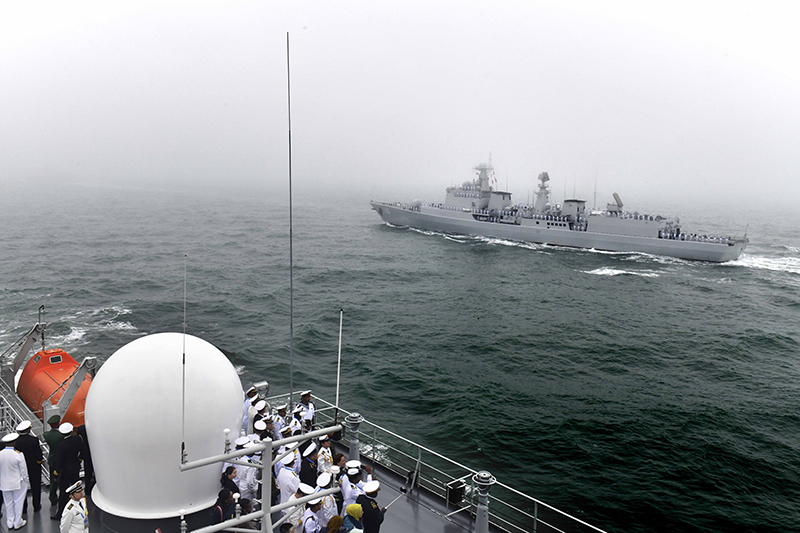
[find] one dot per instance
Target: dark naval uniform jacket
(372, 516)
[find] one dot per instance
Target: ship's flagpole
(338, 368)
(291, 261)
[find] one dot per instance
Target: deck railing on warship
(510, 509)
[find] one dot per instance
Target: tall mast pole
(291, 259)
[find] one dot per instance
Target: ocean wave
(790, 265)
(609, 271)
(72, 338)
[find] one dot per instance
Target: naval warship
(476, 208)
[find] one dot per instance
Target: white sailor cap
(335, 470)
(65, 428)
(306, 489)
(353, 463)
(11, 437)
(75, 487)
(260, 405)
(311, 448)
(353, 471)
(251, 389)
(287, 459)
(249, 444)
(260, 425)
(314, 502)
(284, 429)
(25, 424)
(323, 480)
(372, 486)
(241, 441)
(324, 438)
(298, 409)
(305, 393)
(281, 407)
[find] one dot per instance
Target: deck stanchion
(353, 421)
(483, 480)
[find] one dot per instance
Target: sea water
(640, 393)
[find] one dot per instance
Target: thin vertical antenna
(291, 259)
(183, 371)
(339, 364)
(594, 208)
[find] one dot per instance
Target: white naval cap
(65, 428)
(249, 444)
(305, 393)
(284, 429)
(25, 424)
(287, 459)
(306, 489)
(298, 409)
(260, 405)
(11, 437)
(372, 486)
(75, 487)
(315, 502)
(310, 449)
(260, 425)
(241, 441)
(353, 463)
(251, 389)
(353, 471)
(281, 407)
(323, 480)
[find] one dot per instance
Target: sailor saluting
(75, 518)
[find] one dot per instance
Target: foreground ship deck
(443, 499)
(475, 208)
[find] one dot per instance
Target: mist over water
(640, 393)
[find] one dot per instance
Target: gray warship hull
(464, 221)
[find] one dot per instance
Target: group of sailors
(676, 236)
(21, 469)
(630, 216)
(304, 469)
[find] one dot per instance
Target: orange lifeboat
(47, 375)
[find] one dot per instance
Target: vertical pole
(483, 480)
(266, 487)
(353, 421)
(291, 261)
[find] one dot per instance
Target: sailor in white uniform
(328, 509)
(280, 420)
(307, 406)
(288, 481)
(352, 488)
(325, 456)
(13, 481)
(75, 518)
(311, 522)
(296, 516)
(246, 477)
(248, 396)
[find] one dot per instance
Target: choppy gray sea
(638, 392)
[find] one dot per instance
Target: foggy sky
(397, 100)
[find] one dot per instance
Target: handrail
(504, 514)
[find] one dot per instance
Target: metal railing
(10, 417)
(510, 510)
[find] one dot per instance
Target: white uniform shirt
(310, 522)
(13, 471)
(309, 410)
(288, 483)
(296, 518)
(324, 460)
(328, 509)
(75, 518)
(246, 481)
(246, 407)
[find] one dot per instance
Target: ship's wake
(609, 271)
(790, 265)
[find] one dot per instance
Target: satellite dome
(134, 424)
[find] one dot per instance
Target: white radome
(134, 409)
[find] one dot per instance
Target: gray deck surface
(418, 511)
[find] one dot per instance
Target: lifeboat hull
(47, 375)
